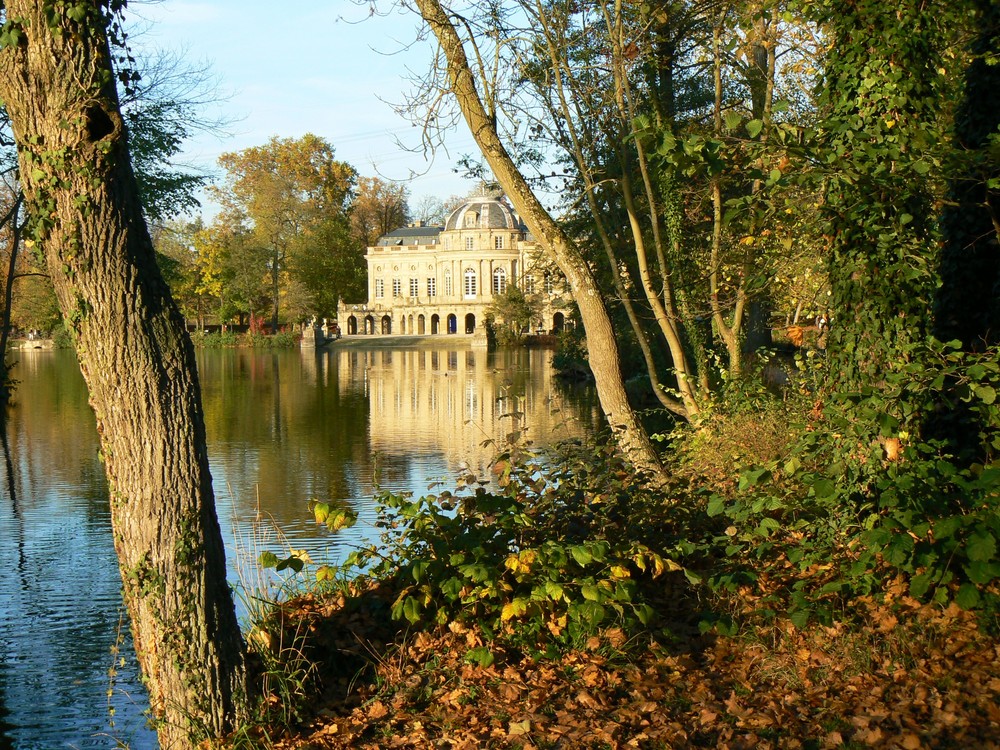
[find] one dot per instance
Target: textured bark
(138, 362)
(605, 361)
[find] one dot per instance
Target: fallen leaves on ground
(909, 676)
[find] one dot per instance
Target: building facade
(442, 279)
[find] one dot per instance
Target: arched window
(499, 281)
(470, 283)
(447, 284)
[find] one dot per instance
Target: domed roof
(483, 211)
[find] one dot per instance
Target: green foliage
(558, 551)
(218, 340)
(570, 358)
(862, 497)
(511, 313)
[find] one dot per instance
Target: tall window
(470, 243)
(498, 242)
(432, 287)
(397, 287)
(414, 287)
(447, 284)
(529, 283)
(470, 283)
(379, 288)
(549, 284)
(499, 281)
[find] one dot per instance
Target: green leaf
(716, 505)
(824, 488)
(590, 592)
(982, 546)
(732, 120)
(292, 561)
(754, 127)
(799, 618)
(967, 596)
(267, 559)
(553, 590)
(411, 609)
(946, 527)
(480, 656)
(920, 585)
(581, 554)
(987, 394)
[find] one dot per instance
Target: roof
(410, 236)
(483, 212)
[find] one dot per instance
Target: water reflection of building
(434, 279)
(460, 402)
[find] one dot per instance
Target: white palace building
(441, 280)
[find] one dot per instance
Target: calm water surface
(283, 427)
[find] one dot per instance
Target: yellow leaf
(619, 571)
(512, 609)
(512, 563)
(518, 728)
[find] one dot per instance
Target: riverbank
(573, 606)
(903, 675)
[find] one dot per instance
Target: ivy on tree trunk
(57, 82)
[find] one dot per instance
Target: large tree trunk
(605, 361)
(57, 83)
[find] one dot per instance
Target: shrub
(562, 547)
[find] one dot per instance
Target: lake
(283, 427)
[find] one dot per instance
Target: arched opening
(386, 324)
(452, 323)
(420, 325)
(352, 325)
(410, 327)
(369, 325)
(470, 323)
(558, 322)
(470, 283)
(435, 323)
(402, 324)
(499, 281)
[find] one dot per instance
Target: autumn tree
(57, 82)
(281, 193)
(378, 208)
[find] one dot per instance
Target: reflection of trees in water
(10, 490)
(280, 425)
(289, 426)
(61, 608)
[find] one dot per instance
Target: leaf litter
(900, 674)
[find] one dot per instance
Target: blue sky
(308, 66)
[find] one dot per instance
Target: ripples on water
(283, 428)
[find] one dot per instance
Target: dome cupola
(483, 210)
